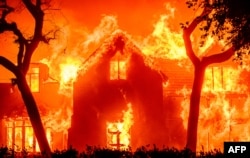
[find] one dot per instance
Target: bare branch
(218, 58)
(38, 3)
(33, 9)
(37, 13)
(187, 31)
(4, 26)
(5, 10)
(8, 65)
(38, 16)
(20, 54)
(26, 49)
(189, 49)
(46, 39)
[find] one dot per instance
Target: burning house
(118, 97)
(122, 98)
(16, 131)
(118, 92)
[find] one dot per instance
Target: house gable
(99, 98)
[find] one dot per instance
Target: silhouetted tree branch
(24, 55)
(219, 58)
(230, 21)
(187, 31)
(200, 65)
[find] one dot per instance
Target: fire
(165, 42)
(21, 135)
(68, 74)
(68, 58)
(118, 133)
(221, 117)
(224, 112)
(223, 79)
(65, 63)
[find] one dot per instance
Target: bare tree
(27, 46)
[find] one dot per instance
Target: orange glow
(118, 67)
(117, 70)
(223, 110)
(59, 121)
(165, 41)
(68, 73)
(222, 117)
(223, 79)
(20, 135)
(32, 78)
(29, 136)
(223, 95)
(118, 133)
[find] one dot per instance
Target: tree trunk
(34, 115)
(193, 118)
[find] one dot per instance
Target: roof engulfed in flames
(165, 43)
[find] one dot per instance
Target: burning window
(118, 133)
(220, 79)
(114, 131)
(32, 78)
(20, 135)
(118, 67)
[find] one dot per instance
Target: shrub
(99, 152)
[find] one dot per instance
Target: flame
(223, 100)
(68, 74)
(224, 112)
(223, 79)
(118, 133)
(218, 115)
(165, 42)
(67, 60)
(20, 135)
(68, 57)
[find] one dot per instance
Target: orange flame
(68, 74)
(223, 110)
(67, 60)
(20, 134)
(221, 115)
(165, 42)
(218, 113)
(118, 133)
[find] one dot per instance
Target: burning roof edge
(118, 40)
